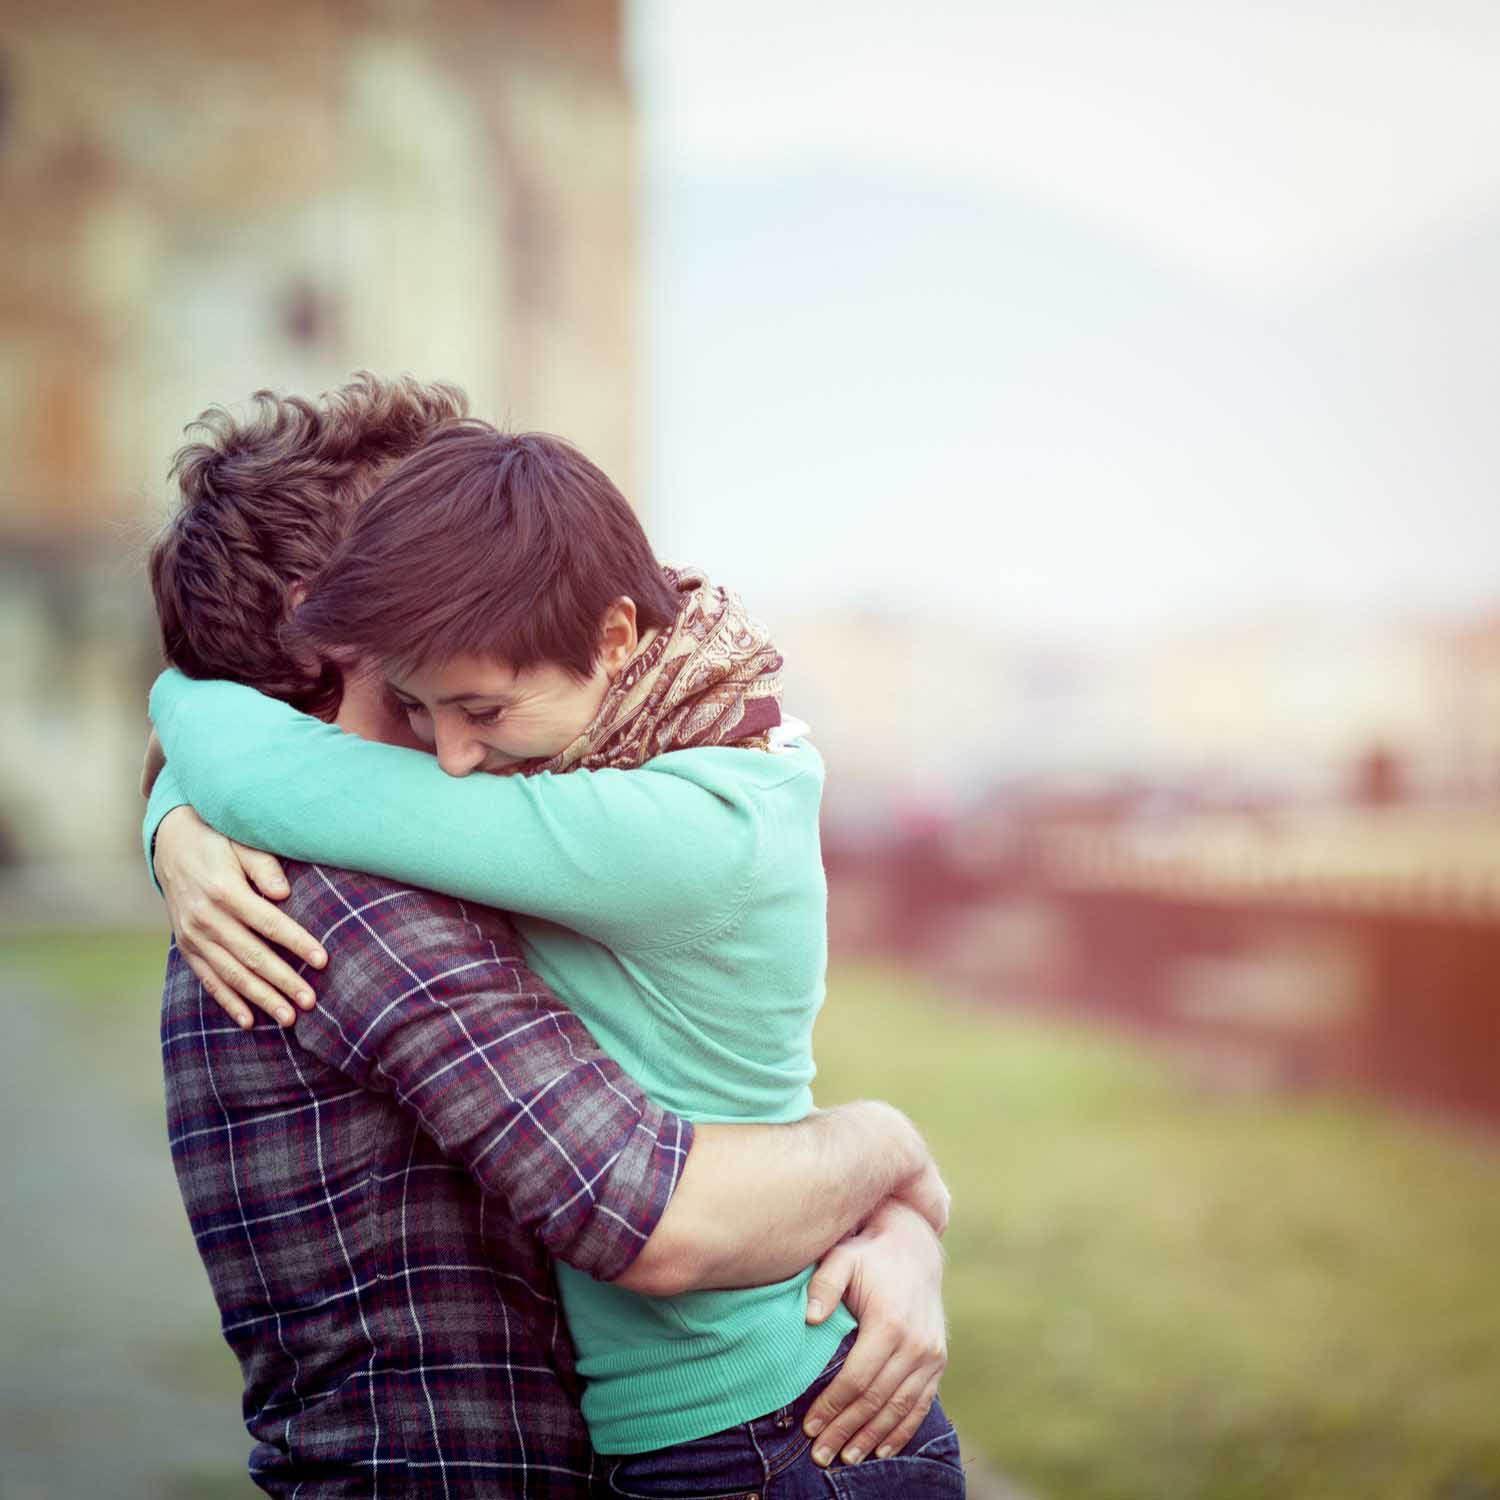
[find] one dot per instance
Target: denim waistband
(743, 1456)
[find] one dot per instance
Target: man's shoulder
(401, 926)
(392, 949)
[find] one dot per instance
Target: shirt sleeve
(637, 858)
(429, 1001)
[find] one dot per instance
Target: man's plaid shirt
(376, 1194)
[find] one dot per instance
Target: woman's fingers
(242, 982)
(267, 965)
(218, 991)
(264, 870)
(238, 932)
(249, 919)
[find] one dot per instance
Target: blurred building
(1290, 703)
(906, 710)
(1468, 707)
(202, 201)
(919, 716)
(923, 716)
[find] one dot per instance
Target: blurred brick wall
(200, 201)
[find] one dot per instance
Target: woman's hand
(891, 1276)
(220, 922)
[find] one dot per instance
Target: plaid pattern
(376, 1194)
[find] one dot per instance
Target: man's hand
(220, 921)
(929, 1195)
(891, 1276)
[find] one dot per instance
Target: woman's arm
(621, 856)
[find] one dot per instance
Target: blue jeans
(771, 1459)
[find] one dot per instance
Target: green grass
(1155, 1293)
(1159, 1294)
(109, 985)
(87, 967)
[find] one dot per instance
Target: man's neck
(368, 710)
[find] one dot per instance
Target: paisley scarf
(711, 677)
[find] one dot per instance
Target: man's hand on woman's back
(890, 1275)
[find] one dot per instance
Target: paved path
(114, 1382)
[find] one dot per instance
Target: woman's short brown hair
(265, 499)
(504, 545)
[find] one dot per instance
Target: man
(375, 1194)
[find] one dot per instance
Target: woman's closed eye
(483, 717)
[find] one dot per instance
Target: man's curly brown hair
(266, 496)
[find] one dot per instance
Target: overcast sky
(1088, 316)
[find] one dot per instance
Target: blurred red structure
(1346, 948)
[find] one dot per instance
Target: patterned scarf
(711, 677)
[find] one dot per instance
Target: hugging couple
(530, 1198)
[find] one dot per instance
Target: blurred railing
(1342, 948)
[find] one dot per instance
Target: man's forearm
(757, 1203)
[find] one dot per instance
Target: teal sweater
(679, 909)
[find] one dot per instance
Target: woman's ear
(617, 636)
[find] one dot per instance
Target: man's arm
(757, 1203)
(430, 1002)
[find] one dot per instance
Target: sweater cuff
(166, 795)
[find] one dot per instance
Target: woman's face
(478, 714)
